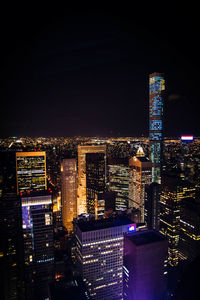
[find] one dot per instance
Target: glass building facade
(37, 226)
(119, 181)
(156, 88)
(82, 193)
(31, 171)
(95, 183)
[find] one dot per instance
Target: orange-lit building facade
(31, 171)
(140, 177)
(82, 193)
(69, 192)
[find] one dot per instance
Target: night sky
(66, 72)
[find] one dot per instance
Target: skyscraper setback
(156, 88)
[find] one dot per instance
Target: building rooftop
(143, 159)
(103, 224)
(146, 237)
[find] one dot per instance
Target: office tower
(69, 192)
(82, 150)
(172, 192)
(99, 255)
(156, 88)
(119, 181)
(37, 224)
(189, 243)
(11, 250)
(31, 171)
(152, 210)
(144, 272)
(95, 183)
(139, 178)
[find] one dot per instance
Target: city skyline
(87, 73)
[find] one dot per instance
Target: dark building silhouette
(95, 183)
(11, 250)
(152, 210)
(189, 242)
(143, 271)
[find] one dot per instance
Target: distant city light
(187, 137)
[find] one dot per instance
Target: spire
(140, 152)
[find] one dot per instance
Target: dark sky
(66, 72)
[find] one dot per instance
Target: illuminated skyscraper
(189, 243)
(95, 183)
(140, 177)
(31, 171)
(156, 88)
(37, 225)
(99, 255)
(82, 150)
(69, 192)
(119, 181)
(172, 192)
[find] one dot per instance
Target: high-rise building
(140, 177)
(37, 225)
(82, 150)
(189, 242)
(156, 88)
(31, 171)
(95, 183)
(152, 202)
(119, 181)
(69, 192)
(172, 192)
(144, 271)
(11, 245)
(99, 255)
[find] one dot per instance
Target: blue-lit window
(155, 125)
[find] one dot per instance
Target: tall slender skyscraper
(82, 150)
(156, 88)
(69, 192)
(31, 171)
(140, 177)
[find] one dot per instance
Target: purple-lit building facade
(156, 88)
(37, 226)
(144, 269)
